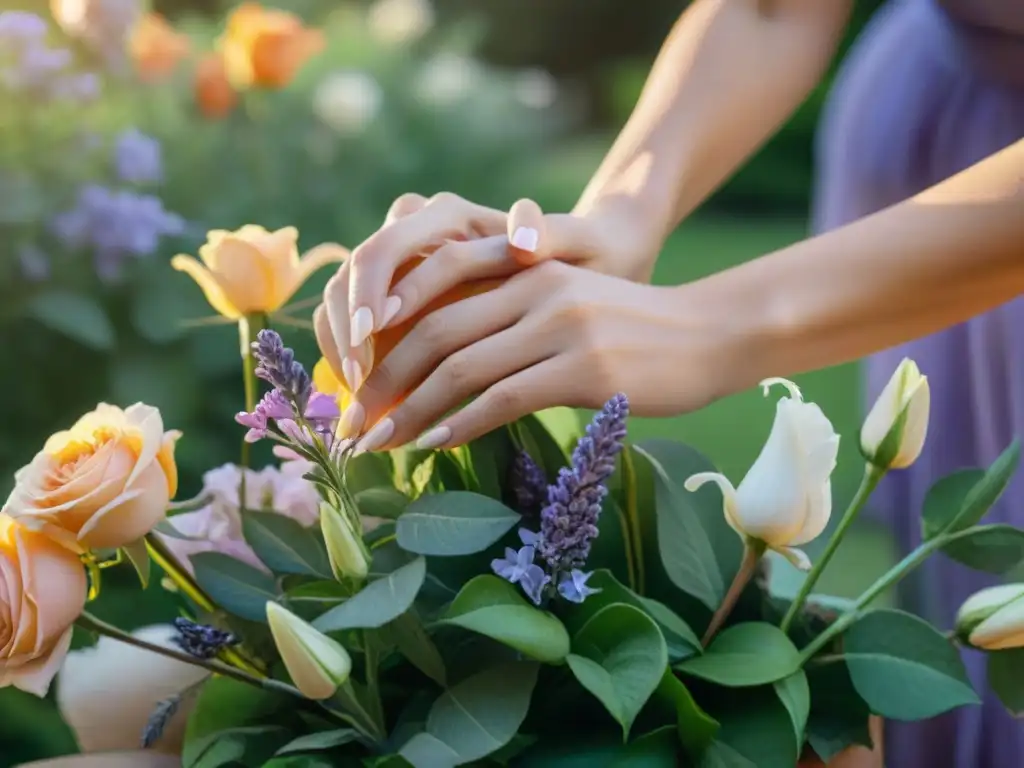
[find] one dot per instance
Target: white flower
(217, 527)
(993, 619)
(107, 692)
(347, 101)
(786, 497)
(399, 22)
(894, 432)
(447, 79)
(536, 88)
(317, 664)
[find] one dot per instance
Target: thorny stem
(872, 475)
(752, 553)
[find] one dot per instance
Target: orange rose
(102, 484)
(332, 382)
(214, 93)
(264, 48)
(42, 591)
(155, 47)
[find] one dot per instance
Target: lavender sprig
(159, 719)
(202, 640)
(529, 484)
(276, 364)
(568, 523)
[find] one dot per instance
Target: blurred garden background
(121, 144)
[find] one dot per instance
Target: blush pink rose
(102, 484)
(42, 591)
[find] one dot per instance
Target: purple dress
(932, 87)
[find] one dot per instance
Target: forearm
(944, 256)
(729, 74)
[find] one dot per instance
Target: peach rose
(42, 591)
(102, 484)
(214, 93)
(266, 47)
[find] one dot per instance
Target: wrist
(625, 239)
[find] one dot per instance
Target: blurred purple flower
(29, 65)
(529, 484)
(137, 158)
(21, 27)
(76, 87)
(116, 225)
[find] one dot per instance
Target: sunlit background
(122, 141)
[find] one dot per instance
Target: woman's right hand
(428, 248)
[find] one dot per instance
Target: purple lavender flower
(519, 568)
(273, 405)
(202, 640)
(573, 586)
(137, 158)
(569, 519)
(528, 483)
(77, 87)
(276, 364)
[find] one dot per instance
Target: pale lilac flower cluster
(217, 527)
(115, 225)
(137, 158)
(29, 66)
(569, 519)
(300, 413)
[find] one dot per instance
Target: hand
(551, 335)
(387, 281)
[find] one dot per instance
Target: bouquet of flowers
(538, 597)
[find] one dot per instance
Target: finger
(355, 363)
(460, 376)
(405, 205)
(437, 336)
(525, 231)
(551, 382)
(453, 264)
(445, 217)
(325, 340)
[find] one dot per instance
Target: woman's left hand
(554, 334)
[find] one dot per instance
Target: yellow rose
(102, 484)
(266, 47)
(42, 592)
(253, 270)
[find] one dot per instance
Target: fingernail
(351, 420)
(362, 325)
(525, 238)
(434, 438)
(377, 436)
(391, 308)
(353, 373)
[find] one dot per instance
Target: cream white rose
(786, 497)
(894, 432)
(993, 619)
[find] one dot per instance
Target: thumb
(526, 232)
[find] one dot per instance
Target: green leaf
(410, 637)
(680, 639)
(989, 548)
(284, 545)
(138, 556)
(960, 500)
(542, 447)
(563, 424)
(795, 695)
(453, 523)
(164, 528)
(237, 746)
(74, 315)
(696, 556)
(319, 742)
(839, 716)
(1006, 678)
(490, 457)
(424, 749)
(379, 601)
(903, 668)
(483, 713)
(619, 656)
(491, 606)
(696, 728)
(386, 503)
(744, 655)
(720, 755)
(224, 703)
(236, 587)
(756, 725)
(656, 749)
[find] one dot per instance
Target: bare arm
(728, 76)
(952, 252)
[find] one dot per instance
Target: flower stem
(248, 327)
(884, 582)
(872, 475)
(752, 553)
(93, 624)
